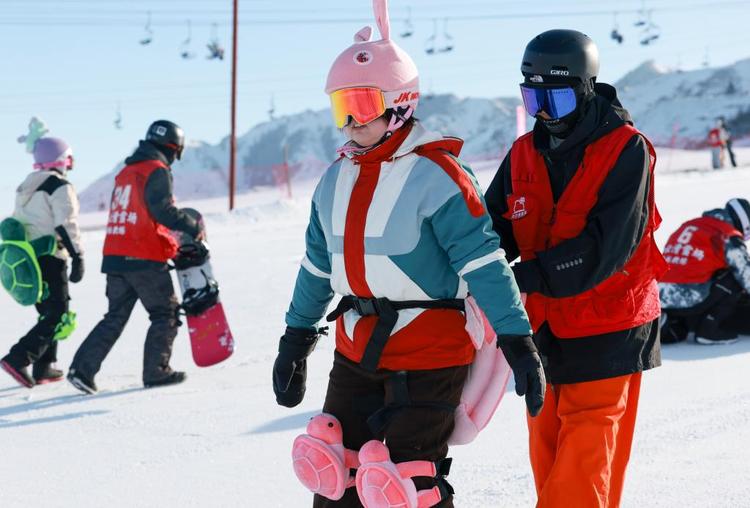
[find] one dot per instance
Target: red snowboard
(210, 337)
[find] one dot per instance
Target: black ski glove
(523, 358)
(290, 367)
(77, 270)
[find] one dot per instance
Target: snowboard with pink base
(211, 339)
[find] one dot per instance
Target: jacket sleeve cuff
(528, 276)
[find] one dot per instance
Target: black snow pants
(155, 291)
(414, 432)
(38, 346)
(727, 304)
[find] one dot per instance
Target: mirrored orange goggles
(363, 104)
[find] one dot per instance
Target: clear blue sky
(71, 62)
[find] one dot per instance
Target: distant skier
(728, 142)
(575, 200)
(399, 228)
(705, 292)
(136, 250)
(46, 204)
(717, 139)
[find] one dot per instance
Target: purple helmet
(52, 153)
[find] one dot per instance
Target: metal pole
(233, 134)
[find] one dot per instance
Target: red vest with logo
(628, 298)
(131, 231)
(696, 250)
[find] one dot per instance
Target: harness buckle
(366, 307)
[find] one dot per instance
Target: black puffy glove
(77, 270)
(523, 358)
(290, 367)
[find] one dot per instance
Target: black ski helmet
(563, 55)
(739, 211)
(167, 134)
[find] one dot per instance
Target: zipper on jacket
(552, 220)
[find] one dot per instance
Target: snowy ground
(220, 440)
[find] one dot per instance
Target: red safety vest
(696, 250)
(131, 231)
(714, 138)
(628, 298)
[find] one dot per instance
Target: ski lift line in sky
(463, 17)
(244, 8)
(148, 91)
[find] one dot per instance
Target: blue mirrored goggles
(557, 102)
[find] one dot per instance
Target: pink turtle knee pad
(320, 460)
(383, 484)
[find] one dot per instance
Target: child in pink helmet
(399, 229)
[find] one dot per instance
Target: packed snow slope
(220, 440)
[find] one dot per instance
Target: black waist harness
(387, 312)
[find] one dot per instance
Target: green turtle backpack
(20, 274)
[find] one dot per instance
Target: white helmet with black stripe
(739, 210)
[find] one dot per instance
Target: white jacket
(42, 210)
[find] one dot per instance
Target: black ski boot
(673, 329)
(710, 333)
(20, 374)
(173, 378)
(46, 373)
(82, 382)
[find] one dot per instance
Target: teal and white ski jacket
(405, 221)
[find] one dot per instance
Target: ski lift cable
(119, 21)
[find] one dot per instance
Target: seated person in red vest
(574, 198)
(705, 292)
(136, 250)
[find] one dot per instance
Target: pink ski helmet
(372, 77)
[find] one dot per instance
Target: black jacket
(614, 228)
(160, 204)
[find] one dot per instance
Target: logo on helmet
(559, 72)
(363, 57)
(406, 97)
(160, 130)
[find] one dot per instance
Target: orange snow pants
(579, 445)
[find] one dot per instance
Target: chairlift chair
(429, 46)
(271, 109)
(642, 15)
(185, 51)
(215, 49)
(447, 46)
(615, 34)
(149, 34)
(408, 30)
(651, 33)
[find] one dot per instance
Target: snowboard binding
(196, 301)
(190, 255)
